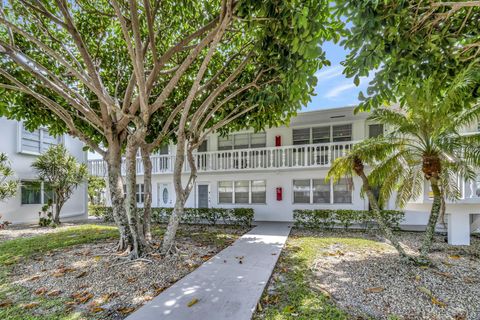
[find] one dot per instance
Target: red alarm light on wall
(278, 141)
(279, 193)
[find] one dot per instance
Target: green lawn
(17, 303)
(295, 297)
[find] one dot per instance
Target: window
(35, 142)
(203, 147)
(242, 141)
(242, 192)
(225, 192)
(342, 133)
(342, 192)
(35, 192)
(310, 191)
(301, 191)
(259, 191)
(323, 134)
(163, 150)
(301, 136)
(321, 191)
(139, 192)
(375, 130)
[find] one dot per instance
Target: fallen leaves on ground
(41, 291)
(454, 256)
(30, 305)
(192, 302)
(6, 303)
(82, 297)
(125, 310)
(374, 290)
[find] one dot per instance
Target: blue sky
(333, 88)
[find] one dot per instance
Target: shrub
(211, 216)
(327, 218)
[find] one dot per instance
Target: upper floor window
(375, 130)
(242, 141)
(324, 134)
(35, 142)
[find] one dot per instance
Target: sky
(333, 88)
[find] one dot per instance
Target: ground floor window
(139, 194)
(310, 191)
(242, 192)
(35, 192)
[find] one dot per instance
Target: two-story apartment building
(284, 168)
(22, 147)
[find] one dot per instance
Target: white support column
(459, 229)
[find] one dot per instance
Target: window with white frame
(311, 191)
(322, 134)
(375, 130)
(242, 192)
(139, 192)
(242, 141)
(35, 192)
(35, 142)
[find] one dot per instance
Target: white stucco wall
(12, 210)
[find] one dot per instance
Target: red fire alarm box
(279, 194)
(278, 141)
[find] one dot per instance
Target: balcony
(258, 159)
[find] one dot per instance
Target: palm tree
(367, 152)
(425, 144)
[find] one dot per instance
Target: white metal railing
(271, 158)
(472, 189)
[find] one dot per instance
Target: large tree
(121, 74)
(408, 40)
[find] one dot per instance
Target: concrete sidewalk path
(228, 286)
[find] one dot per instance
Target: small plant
(45, 216)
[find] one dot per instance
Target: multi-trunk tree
(124, 76)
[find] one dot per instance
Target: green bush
(212, 216)
(328, 218)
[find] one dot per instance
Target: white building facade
(283, 169)
(22, 148)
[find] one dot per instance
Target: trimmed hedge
(328, 218)
(235, 216)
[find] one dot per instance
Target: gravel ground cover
(359, 276)
(95, 283)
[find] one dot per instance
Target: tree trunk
(382, 224)
(181, 193)
(135, 224)
(115, 186)
(147, 205)
(432, 221)
(59, 202)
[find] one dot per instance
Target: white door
(164, 195)
(203, 195)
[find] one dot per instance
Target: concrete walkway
(228, 286)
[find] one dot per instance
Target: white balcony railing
(272, 158)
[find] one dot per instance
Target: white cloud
(335, 92)
(328, 73)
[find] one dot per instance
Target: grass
(17, 250)
(295, 297)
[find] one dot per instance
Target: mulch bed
(101, 283)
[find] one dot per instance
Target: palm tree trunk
(382, 224)
(432, 221)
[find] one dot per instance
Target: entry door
(203, 195)
(164, 195)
